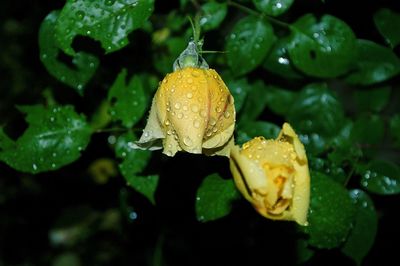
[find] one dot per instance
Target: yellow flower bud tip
(192, 111)
(273, 176)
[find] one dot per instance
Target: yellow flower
(273, 176)
(192, 111)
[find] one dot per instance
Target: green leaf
(214, 198)
(239, 89)
(279, 62)
(381, 177)
(303, 251)
(330, 214)
(134, 160)
(373, 99)
(108, 22)
(164, 59)
(128, 101)
(279, 100)
(315, 144)
(368, 129)
(375, 63)
(273, 7)
(387, 22)
(316, 110)
(395, 129)
(133, 164)
(213, 15)
(249, 42)
(85, 64)
(362, 236)
(55, 137)
(313, 44)
(255, 102)
(251, 129)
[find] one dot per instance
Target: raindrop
(111, 139)
(133, 216)
(189, 95)
(167, 123)
(80, 14)
(218, 110)
(34, 167)
(109, 2)
(53, 165)
(212, 121)
(194, 108)
(278, 5)
(169, 132)
(44, 56)
(196, 123)
(197, 198)
(187, 141)
(177, 106)
(227, 114)
(180, 116)
(52, 119)
(233, 36)
(88, 32)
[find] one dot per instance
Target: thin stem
(255, 13)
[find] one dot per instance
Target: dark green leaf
(128, 101)
(279, 100)
(163, 60)
(333, 170)
(273, 7)
(55, 137)
(330, 214)
(313, 44)
(395, 129)
(316, 110)
(213, 14)
(249, 42)
(239, 89)
(134, 161)
(362, 236)
(255, 102)
(381, 177)
(251, 129)
(303, 251)
(145, 185)
(108, 21)
(372, 100)
(278, 61)
(214, 198)
(368, 129)
(86, 64)
(314, 143)
(387, 22)
(375, 63)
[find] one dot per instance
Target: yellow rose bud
(273, 175)
(192, 111)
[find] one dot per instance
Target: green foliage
(214, 198)
(331, 212)
(108, 22)
(273, 7)
(55, 137)
(128, 101)
(248, 44)
(386, 21)
(281, 64)
(213, 15)
(375, 63)
(314, 43)
(365, 224)
(85, 64)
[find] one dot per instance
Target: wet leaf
(375, 63)
(387, 22)
(372, 99)
(314, 43)
(214, 198)
(108, 21)
(239, 89)
(86, 64)
(248, 43)
(253, 129)
(316, 110)
(362, 235)
(273, 7)
(255, 102)
(145, 185)
(128, 101)
(368, 129)
(381, 177)
(213, 15)
(331, 212)
(279, 62)
(164, 59)
(279, 100)
(55, 137)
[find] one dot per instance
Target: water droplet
(227, 114)
(218, 109)
(52, 119)
(177, 106)
(187, 141)
(109, 2)
(190, 81)
(111, 139)
(34, 167)
(194, 108)
(189, 95)
(53, 165)
(278, 5)
(197, 198)
(196, 123)
(167, 123)
(80, 14)
(180, 116)
(203, 113)
(88, 32)
(44, 56)
(132, 216)
(212, 121)
(233, 36)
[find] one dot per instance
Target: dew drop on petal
(187, 141)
